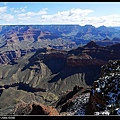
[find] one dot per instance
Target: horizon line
(56, 24)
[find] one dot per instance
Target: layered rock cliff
(19, 38)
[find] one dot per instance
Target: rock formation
(23, 108)
(105, 93)
(47, 73)
(18, 38)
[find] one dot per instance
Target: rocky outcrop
(23, 108)
(92, 45)
(68, 95)
(105, 94)
(79, 103)
(66, 100)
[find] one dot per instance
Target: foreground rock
(23, 108)
(105, 94)
(73, 102)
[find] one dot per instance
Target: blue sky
(82, 13)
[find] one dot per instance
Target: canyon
(55, 68)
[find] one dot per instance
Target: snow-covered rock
(105, 94)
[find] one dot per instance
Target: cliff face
(46, 67)
(105, 94)
(26, 38)
(18, 38)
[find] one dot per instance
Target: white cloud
(31, 14)
(109, 20)
(19, 10)
(43, 11)
(7, 17)
(3, 9)
(24, 19)
(5, 3)
(12, 9)
(72, 16)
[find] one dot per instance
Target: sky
(39, 13)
